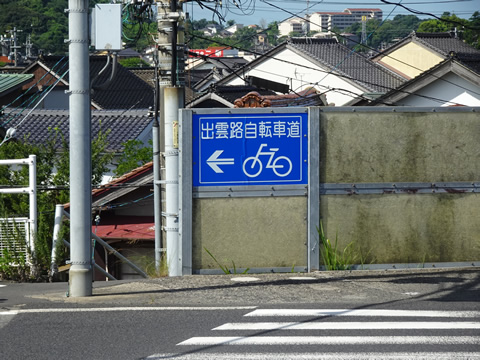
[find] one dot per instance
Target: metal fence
(14, 235)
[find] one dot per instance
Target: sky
(264, 12)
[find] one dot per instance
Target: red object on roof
(126, 227)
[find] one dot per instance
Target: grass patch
(333, 258)
(225, 269)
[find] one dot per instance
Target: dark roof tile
(124, 92)
(353, 66)
(122, 125)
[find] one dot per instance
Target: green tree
(134, 154)
(133, 62)
(469, 29)
(52, 187)
(472, 33)
(273, 33)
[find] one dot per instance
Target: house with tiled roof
(420, 52)
(122, 213)
(207, 70)
(242, 96)
(449, 83)
(218, 96)
(324, 64)
(123, 216)
(11, 87)
(123, 125)
(119, 126)
(123, 91)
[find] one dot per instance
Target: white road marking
(317, 356)
(348, 325)
(3, 285)
(244, 279)
(100, 309)
(363, 312)
(331, 340)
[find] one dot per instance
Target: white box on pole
(107, 27)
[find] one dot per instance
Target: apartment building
(326, 21)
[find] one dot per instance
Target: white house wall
(447, 92)
(299, 73)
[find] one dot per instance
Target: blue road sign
(250, 149)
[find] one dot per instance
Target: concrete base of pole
(80, 281)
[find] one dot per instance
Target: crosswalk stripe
(131, 308)
(320, 356)
(331, 340)
(348, 325)
(363, 312)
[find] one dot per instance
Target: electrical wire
(389, 56)
(30, 88)
(31, 110)
(32, 98)
(357, 47)
(236, 73)
(430, 14)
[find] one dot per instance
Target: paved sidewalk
(347, 287)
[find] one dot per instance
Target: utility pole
(15, 47)
(28, 46)
(80, 280)
(364, 29)
(171, 90)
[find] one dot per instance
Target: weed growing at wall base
(332, 257)
(225, 269)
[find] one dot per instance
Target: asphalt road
(407, 314)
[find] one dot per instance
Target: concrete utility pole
(171, 81)
(15, 47)
(80, 283)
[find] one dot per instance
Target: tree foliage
(47, 23)
(134, 154)
(53, 169)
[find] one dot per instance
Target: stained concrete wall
(358, 145)
(399, 147)
(251, 232)
(402, 147)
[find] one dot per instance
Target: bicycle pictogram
(281, 165)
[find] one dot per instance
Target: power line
(389, 56)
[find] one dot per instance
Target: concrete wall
(387, 147)
(419, 147)
(251, 232)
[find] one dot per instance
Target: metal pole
(157, 200)
(32, 183)
(173, 101)
(80, 279)
(56, 230)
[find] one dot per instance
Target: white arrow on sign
(213, 161)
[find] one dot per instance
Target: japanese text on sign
(250, 130)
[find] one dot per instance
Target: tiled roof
(146, 74)
(307, 97)
(353, 66)
(445, 43)
(124, 92)
(229, 93)
(425, 79)
(9, 82)
(123, 125)
(111, 191)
